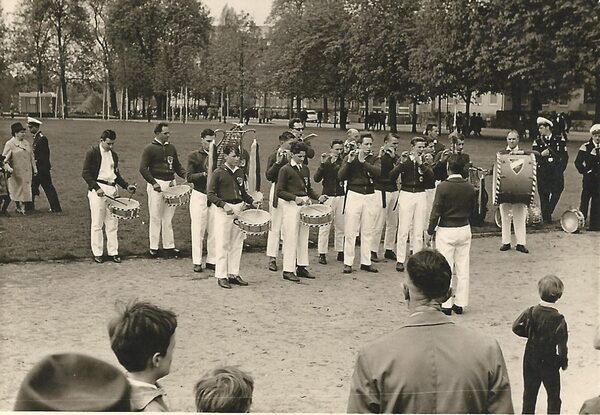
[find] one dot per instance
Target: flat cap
(542, 121)
(595, 128)
(31, 120)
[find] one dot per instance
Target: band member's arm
(119, 180)
(280, 190)
(88, 173)
(212, 191)
(196, 171)
(373, 167)
(309, 190)
(245, 196)
(343, 172)
(273, 171)
(521, 325)
(310, 152)
(145, 167)
(387, 163)
(398, 169)
(561, 343)
(320, 173)
(436, 211)
(580, 163)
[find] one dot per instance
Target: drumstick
(131, 194)
(116, 200)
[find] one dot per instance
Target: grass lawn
(47, 236)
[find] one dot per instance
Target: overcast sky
(258, 9)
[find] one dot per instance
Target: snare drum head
(175, 191)
(571, 220)
(254, 216)
(126, 203)
(315, 210)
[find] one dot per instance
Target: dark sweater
(454, 201)
(384, 182)
(273, 167)
(154, 164)
(91, 168)
(228, 187)
(41, 152)
(360, 177)
(587, 160)
(292, 183)
(197, 170)
(546, 332)
(440, 168)
(328, 173)
(413, 176)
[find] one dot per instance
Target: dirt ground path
(298, 340)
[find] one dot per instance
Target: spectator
(5, 171)
(142, 337)
(19, 155)
(225, 389)
(430, 365)
(319, 118)
(74, 383)
(546, 332)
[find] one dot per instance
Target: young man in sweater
(158, 167)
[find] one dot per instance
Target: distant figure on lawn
(5, 171)
(430, 365)
(142, 337)
(225, 389)
(41, 154)
(18, 154)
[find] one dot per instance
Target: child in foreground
(225, 389)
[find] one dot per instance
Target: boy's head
(225, 389)
(143, 338)
(550, 288)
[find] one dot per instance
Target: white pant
(337, 205)
(295, 237)
(211, 256)
(429, 197)
(359, 218)
(386, 217)
(101, 217)
(274, 234)
(229, 241)
(519, 217)
(198, 216)
(161, 216)
(411, 212)
(455, 245)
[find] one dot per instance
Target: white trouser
(411, 212)
(337, 205)
(101, 217)
(211, 256)
(229, 241)
(429, 197)
(519, 217)
(386, 217)
(198, 216)
(161, 216)
(455, 245)
(359, 218)
(295, 237)
(274, 234)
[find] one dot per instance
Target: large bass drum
(514, 178)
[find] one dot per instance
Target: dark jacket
(91, 168)
(197, 170)
(384, 182)
(413, 176)
(453, 204)
(328, 173)
(558, 158)
(228, 187)
(587, 160)
(292, 183)
(41, 152)
(360, 177)
(154, 164)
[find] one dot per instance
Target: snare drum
(514, 178)
(177, 195)
(124, 208)
(316, 216)
(535, 214)
(253, 221)
(572, 221)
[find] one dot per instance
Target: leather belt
(105, 182)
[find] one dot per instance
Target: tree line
(339, 50)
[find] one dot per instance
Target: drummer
(227, 194)
(101, 173)
(158, 167)
(519, 210)
(294, 190)
(588, 165)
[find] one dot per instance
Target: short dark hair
(231, 148)
(455, 163)
(159, 127)
(430, 273)
(364, 135)
(225, 389)
(387, 137)
(298, 146)
(207, 131)
(286, 136)
(334, 142)
(108, 134)
(416, 140)
(139, 331)
(550, 288)
(294, 121)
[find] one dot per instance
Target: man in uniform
(333, 188)
(41, 154)
(551, 167)
(360, 169)
(588, 164)
(101, 173)
(158, 167)
(197, 174)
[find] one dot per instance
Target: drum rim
(578, 215)
(323, 214)
(169, 191)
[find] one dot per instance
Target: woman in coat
(19, 156)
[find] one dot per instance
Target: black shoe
(374, 257)
(223, 283)
(521, 248)
(237, 280)
(389, 254)
(340, 256)
(505, 247)
(322, 259)
(173, 253)
(272, 265)
(290, 276)
(399, 266)
(347, 269)
(368, 268)
(116, 259)
(210, 266)
(197, 268)
(302, 272)
(98, 259)
(447, 311)
(154, 253)
(457, 309)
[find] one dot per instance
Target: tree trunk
(516, 95)
(325, 110)
(291, 109)
(342, 114)
(298, 105)
(414, 116)
(393, 114)
(597, 98)
(533, 114)
(366, 113)
(467, 99)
